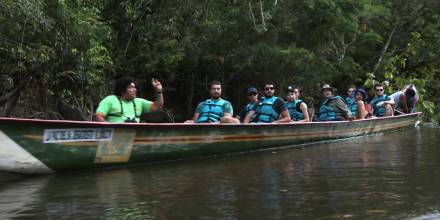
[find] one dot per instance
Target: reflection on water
(392, 176)
(19, 195)
(431, 216)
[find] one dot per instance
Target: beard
(216, 95)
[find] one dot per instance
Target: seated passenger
(350, 99)
(253, 100)
(362, 108)
(405, 100)
(270, 109)
(382, 104)
(333, 108)
(124, 106)
(297, 108)
(215, 109)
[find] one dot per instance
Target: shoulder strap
(344, 100)
(298, 105)
(122, 108)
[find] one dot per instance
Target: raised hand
(156, 85)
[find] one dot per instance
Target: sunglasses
(252, 94)
(379, 90)
(269, 88)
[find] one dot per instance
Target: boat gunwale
(136, 125)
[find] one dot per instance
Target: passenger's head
(327, 91)
(360, 95)
(215, 89)
(378, 88)
(125, 87)
(269, 89)
(410, 92)
(252, 94)
(292, 93)
(350, 90)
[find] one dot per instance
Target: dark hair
(122, 84)
(215, 82)
(410, 92)
(378, 84)
(268, 83)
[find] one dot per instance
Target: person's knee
(388, 107)
(389, 110)
(229, 120)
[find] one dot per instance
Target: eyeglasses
(269, 88)
(379, 90)
(252, 94)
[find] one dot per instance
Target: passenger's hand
(156, 85)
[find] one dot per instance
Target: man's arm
(303, 108)
(284, 117)
(197, 112)
(195, 117)
(345, 111)
(389, 101)
(227, 114)
(103, 109)
(248, 117)
(100, 117)
(158, 96)
(284, 113)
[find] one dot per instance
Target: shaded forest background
(58, 59)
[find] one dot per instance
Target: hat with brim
(363, 92)
(327, 87)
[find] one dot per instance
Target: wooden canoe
(47, 146)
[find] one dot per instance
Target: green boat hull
(44, 146)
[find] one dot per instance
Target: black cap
(291, 88)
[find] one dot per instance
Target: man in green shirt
(123, 106)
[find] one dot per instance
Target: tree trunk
(385, 48)
(10, 104)
(9, 100)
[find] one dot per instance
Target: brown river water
(384, 176)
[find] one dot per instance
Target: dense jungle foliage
(58, 58)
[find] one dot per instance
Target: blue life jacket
(212, 111)
(352, 105)
(328, 113)
(294, 109)
(379, 111)
(265, 112)
(250, 106)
